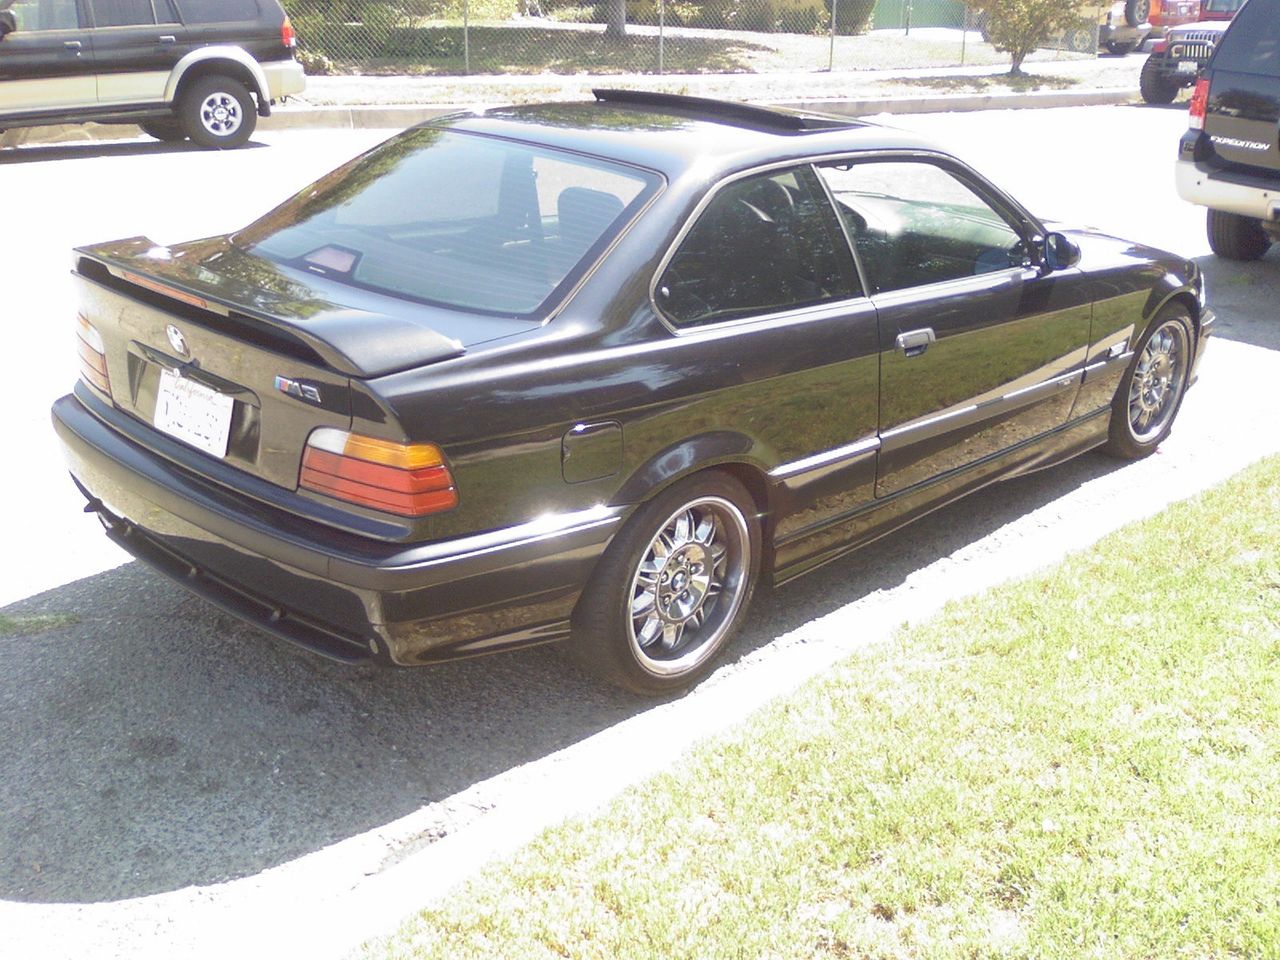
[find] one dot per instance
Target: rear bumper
(344, 596)
(1249, 196)
(285, 78)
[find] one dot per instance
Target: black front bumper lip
(442, 595)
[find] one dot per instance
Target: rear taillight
(411, 480)
(93, 355)
(287, 36)
(1199, 104)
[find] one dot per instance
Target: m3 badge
(299, 389)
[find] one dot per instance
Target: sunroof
(729, 110)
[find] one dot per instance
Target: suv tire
(218, 112)
(1236, 237)
(1118, 49)
(1136, 12)
(170, 130)
(1154, 85)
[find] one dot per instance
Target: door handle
(166, 40)
(72, 45)
(915, 342)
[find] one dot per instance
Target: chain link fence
(463, 37)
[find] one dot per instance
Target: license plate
(1188, 66)
(193, 413)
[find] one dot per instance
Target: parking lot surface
(152, 749)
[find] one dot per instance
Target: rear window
(1252, 43)
(218, 11)
(472, 222)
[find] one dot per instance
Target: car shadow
(96, 149)
(1243, 296)
(151, 742)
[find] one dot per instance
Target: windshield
(466, 221)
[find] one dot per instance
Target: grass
(1080, 764)
(27, 626)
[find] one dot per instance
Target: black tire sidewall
(599, 638)
(195, 95)
(1236, 237)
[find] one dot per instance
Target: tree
(616, 22)
(1020, 27)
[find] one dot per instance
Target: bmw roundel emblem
(176, 340)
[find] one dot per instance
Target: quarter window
(914, 223)
(122, 13)
(764, 244)
(218, 11)
(45, 15)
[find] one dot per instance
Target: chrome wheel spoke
(644, 603)
(671, 635)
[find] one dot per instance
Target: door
(777, 339)
(46, 65)
(136, 44)
(979, 351)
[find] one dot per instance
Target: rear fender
(226, 60)
(689, 456)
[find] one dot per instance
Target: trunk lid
(185, 328)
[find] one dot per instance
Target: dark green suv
(204, 69)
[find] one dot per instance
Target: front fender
(220, 53)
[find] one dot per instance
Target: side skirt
(802, 554)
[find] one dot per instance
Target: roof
(672, 134)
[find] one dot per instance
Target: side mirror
(8, 23)
(1059, 253)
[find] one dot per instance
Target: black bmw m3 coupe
(588, 372)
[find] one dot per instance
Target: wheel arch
(1170, 291)
(227, 61)
(724, 451)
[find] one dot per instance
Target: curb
(397, 117)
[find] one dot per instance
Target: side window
(122, 13)
(45, 15)
(763, 244)
(914, 223)
(1252, 43)
(166, 12)
(218, 11)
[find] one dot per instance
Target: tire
(1154, 85)
(1137, 12)
(218, 112)
(1235, 237)
(1151, 390)
(641, 621)
(166, 129)
(1082, 40)
(1117, 49)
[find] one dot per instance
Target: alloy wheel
(1158, 381)
(220, 114)
(688, 586)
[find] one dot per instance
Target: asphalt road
(155, 744)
